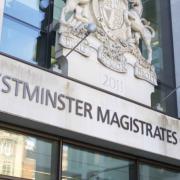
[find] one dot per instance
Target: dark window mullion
(45, 49)
(60, 160)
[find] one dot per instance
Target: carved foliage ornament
(120, 27)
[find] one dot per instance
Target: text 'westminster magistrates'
(73, 105)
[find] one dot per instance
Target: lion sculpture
(139, 25)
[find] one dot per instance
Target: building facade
(107, 109)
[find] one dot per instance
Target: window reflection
(58, 5)
(80, 164)
(25, 30)
(57, 9)
(25, 9)
(18, 40)
(157, 12)
(153, 173)
(24, 156)
(152, 13)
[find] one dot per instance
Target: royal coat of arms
(120, 28)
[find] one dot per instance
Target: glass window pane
(24, 9)
(153, 173)
(80, 164)
(57, 10)
(158, 13)
(19, 40)
(154, 11)
(25, 156)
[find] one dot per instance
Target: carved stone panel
(115, 44)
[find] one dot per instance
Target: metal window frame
(60, 140)
(35, 134)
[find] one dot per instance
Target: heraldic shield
(109, 15)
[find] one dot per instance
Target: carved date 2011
(112, 83)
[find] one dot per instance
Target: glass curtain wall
(26, 156)
(58, 5)
(36, 158)
(158, 13)
(83, 164)
(176, 44)
(147, 172)
(25, 30)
